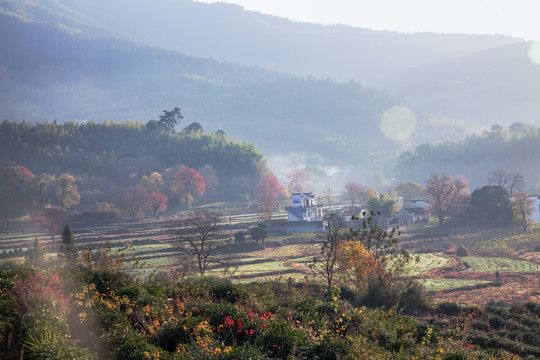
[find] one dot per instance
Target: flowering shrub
(212, 319)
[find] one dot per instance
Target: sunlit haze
(519, 18)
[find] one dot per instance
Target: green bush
(533, 307)
(239, 237)
(448, 308)
(327, 349)
(105, 280)
(135, 347)
(496, 322)
(462, 251)
(380, 292)
(49, 345)
(245, 352)
(281, 340)
(232, 293)
(456, 355)
(171, 336)
(414, 298)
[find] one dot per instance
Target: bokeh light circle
(398, 123)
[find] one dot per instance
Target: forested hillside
(58, 70)
(53, 74)
(516, 149)
(108, 159)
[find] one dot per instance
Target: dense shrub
(212, 318)
(105, 279)
(462, 251)
(239, 237)
(533, 307)
(448, 308)
(456, 355)
(328, 349)
(134, 347)
(414, 298)
(281, 340)
(232, 293)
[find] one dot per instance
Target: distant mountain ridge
(54, 73)
(94, 59)
(228, 32)
(500, 84)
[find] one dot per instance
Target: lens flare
(534, 52)
(398, 123)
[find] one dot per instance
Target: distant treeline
(516, 149)
(108, 158)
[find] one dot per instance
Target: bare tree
(446, 193)
(328, 195)
(358, 194)
(328, 244)
(198, 234)
(509, 181)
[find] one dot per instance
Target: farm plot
(492, 264)
(445, 284)
(289, 260)
(500, 244)
(427, 263)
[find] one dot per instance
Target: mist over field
(340, 103)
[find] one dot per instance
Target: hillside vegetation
(60, 68)
(91, 312)
(476, 156)
(109, 158)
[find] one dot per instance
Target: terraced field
(492, 264)
(428, 262)
(289, 256)
(444, 284)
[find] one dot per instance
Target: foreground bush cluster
(87, 313)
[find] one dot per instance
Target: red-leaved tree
(187, 183)
(297, 181)
(158, 202)
(268, 190)
(50, 218)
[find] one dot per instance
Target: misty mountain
(228, 32)
(84, 60)
(514, 150)
(455, 75)
(55, 73)
(498, 85)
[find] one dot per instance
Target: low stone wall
(304, 227)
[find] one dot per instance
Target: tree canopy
(103, 158)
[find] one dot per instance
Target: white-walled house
(304, 208)
(414, 211)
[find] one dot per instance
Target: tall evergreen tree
(68, 250)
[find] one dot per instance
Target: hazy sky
(519, 18)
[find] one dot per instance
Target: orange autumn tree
(357, 265)
(364, 256)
